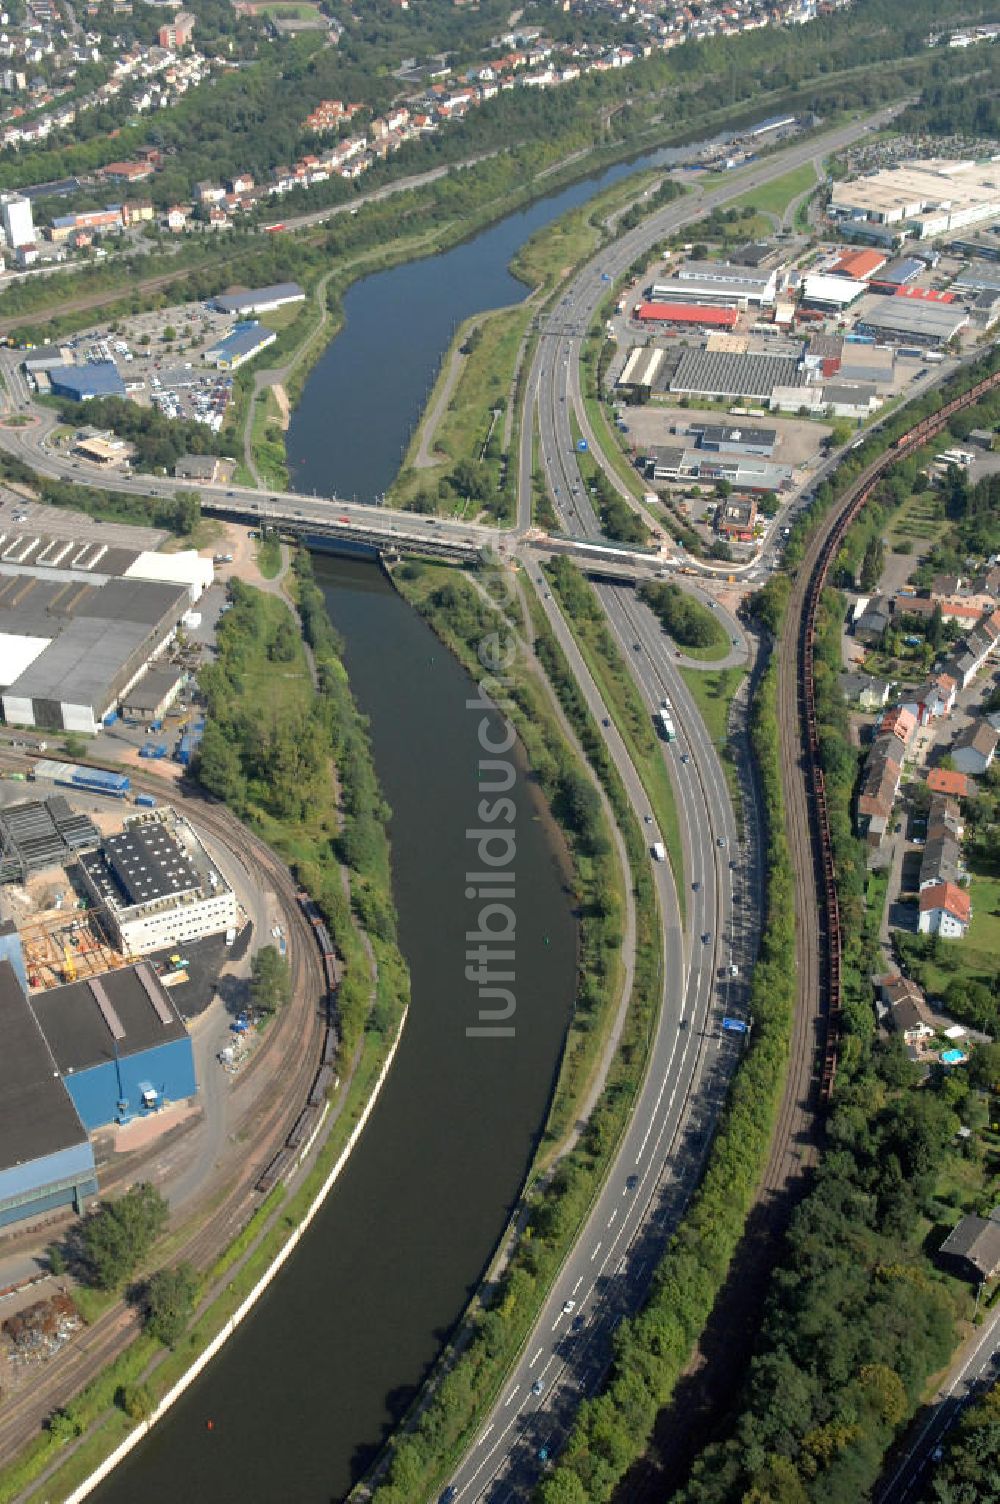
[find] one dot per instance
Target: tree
(168, 1301)
(218, 765)
(872, 564)
(270, 979)
(116, 1237)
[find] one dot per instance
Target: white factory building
(929, 198)
(157, 886)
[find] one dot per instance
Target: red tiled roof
(687, 313)
(943, 781)
(947, 896)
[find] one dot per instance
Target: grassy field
(919, 520)
(632, 718)
(713, 691)
(267, 440)
(774, 197)
(269, 556)
(485, 382)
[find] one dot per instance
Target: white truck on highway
(659, 851)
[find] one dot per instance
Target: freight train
(310, 1116)
(831, 935)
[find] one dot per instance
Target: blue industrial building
(81, 383)
(242, 343)
(119, 1044)
(46, 1161)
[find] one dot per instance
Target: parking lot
(161, 360)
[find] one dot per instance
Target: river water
(303, 1394)
(351, 427)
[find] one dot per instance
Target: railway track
(296, 1051)
(815, 1034)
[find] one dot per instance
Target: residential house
(945, 910)
(865, 690)
(972, 1247)
(944, 781)
(973, 749)
(944, 818)
(906, 1008)
(209, 193)
(177, 217)
(941, 861)
(933, 700)
(879, 787)
(871, 624)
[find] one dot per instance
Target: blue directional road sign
(734, 1025)
(581, 445)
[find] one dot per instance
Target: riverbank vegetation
(419, 1457)
(635, 721)
(651, 1351)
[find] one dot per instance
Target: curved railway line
(815, 1037)
(301, 1048)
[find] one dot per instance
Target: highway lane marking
(577, 1285)
(536, 1357)
(613, 1216)
(596, 1251)
(512, 1396)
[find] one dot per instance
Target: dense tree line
(159, 441)
(687, 620)
(112, 1241)
(968, 1473)
(859, 1317)
(652, 1350)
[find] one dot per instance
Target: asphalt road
(976, 1369)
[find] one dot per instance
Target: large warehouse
(930, 198)
(259, 299)
(79, 621)
(82, 383)
(46, 1160)
(119, 1044)
(686, 315)
(913, 322)
(243, 342)
(156, 885)
(68, 655)
(719, 373)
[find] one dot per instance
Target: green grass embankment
(588, 623)
(420, 1458)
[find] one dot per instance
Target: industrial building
(756, 284)
(912, 323)
(896, 274)
(152, 695)
(83, 383)
(39, 834)
(80, 620)
(979, 276)
(242, 343)
(743, 472)
(756, 288)
(260, 299)
(720, 373)
(156, 885)
(831, 294)
(119, 1044)
(640, 370)
(926, 198)
(686, 315)
(46, 1161)
(67, 654)
(860, 361)
(728, 438)
(858, 265)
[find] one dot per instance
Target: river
(303, 1394)
(362, 399)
